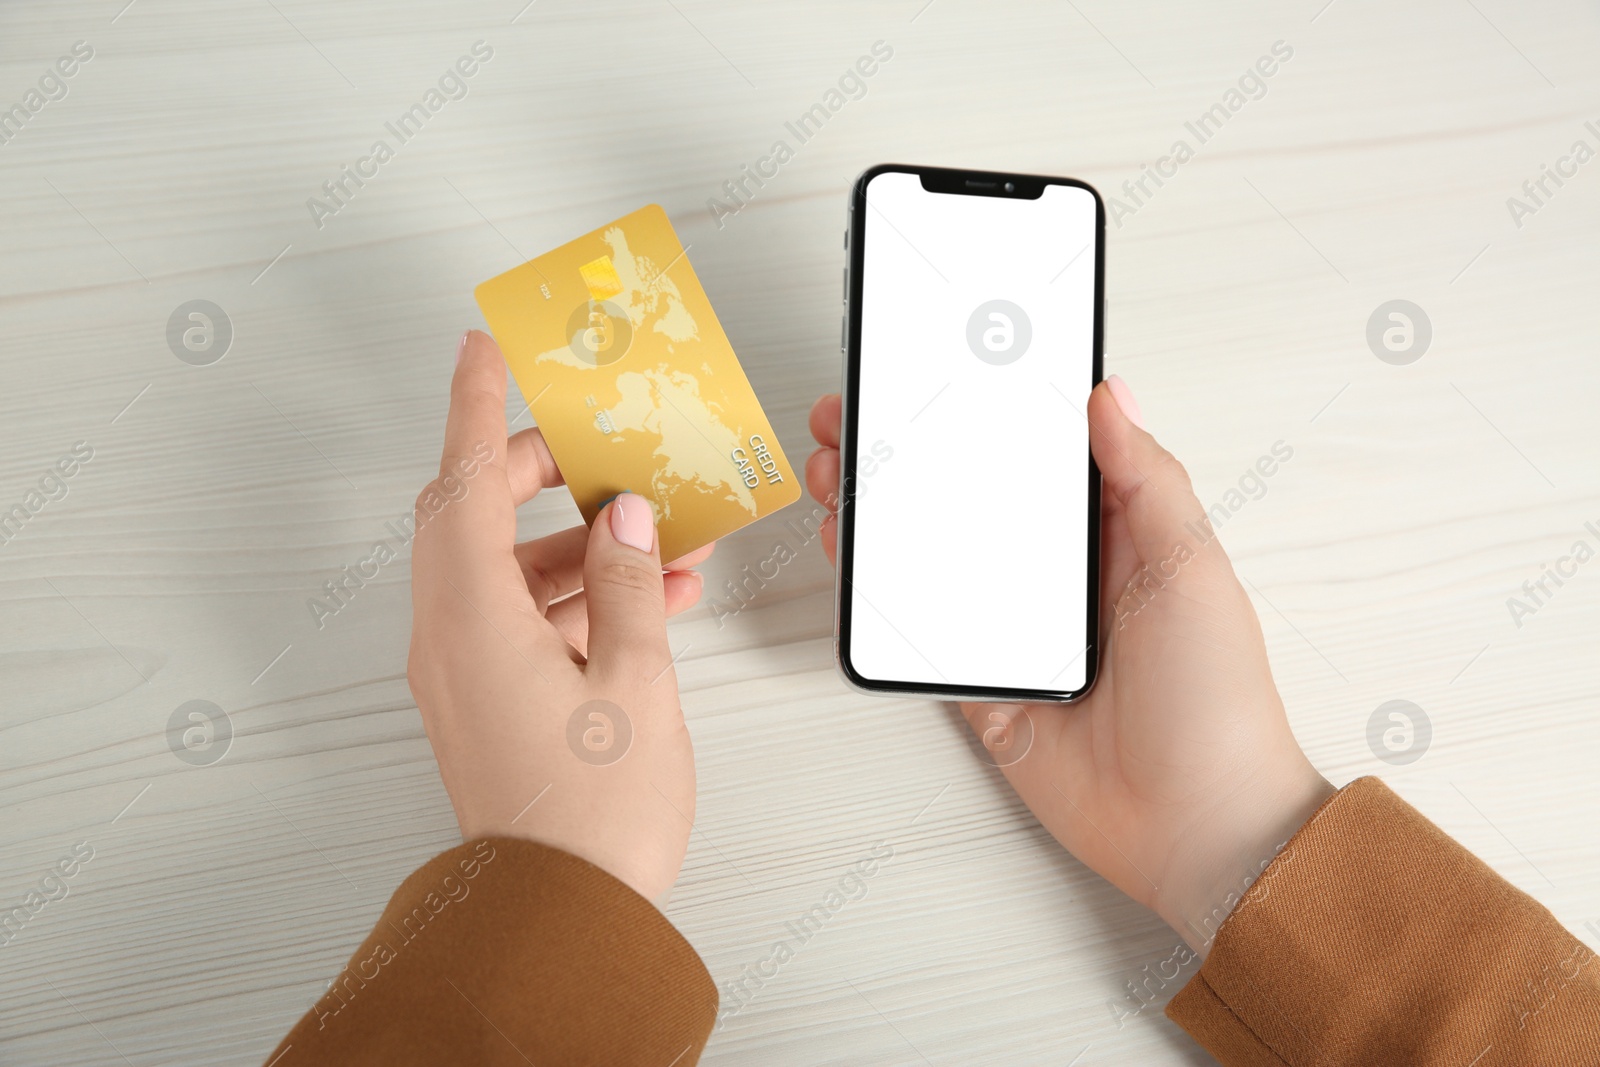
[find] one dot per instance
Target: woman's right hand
(1177, 777)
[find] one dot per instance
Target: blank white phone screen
(971, 508)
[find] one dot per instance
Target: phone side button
(844, 326)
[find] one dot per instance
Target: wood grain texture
(1376, 166)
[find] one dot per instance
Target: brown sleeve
(1373, 937)
(503, 951)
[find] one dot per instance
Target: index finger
(825, 419)
(477, 405)
(466, 519)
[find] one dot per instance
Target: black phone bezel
(965, 183)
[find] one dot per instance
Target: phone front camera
(1011, 187)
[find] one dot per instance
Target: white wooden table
(221, 896)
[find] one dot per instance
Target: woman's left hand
(542, 670)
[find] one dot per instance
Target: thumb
(623, 585)
(1148, 482)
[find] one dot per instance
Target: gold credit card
(628, 373)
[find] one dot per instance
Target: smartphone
(969, 505)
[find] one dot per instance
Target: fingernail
(632, 523)
(1124, 398)
(461, 345)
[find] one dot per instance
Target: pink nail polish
(461, 345)
(1124, 398)
(632, 522)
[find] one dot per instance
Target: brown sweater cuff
(503, 951)
(1374, 937)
